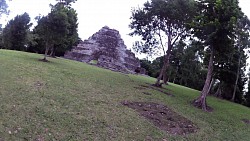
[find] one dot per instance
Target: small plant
(93, 62)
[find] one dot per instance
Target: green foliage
(15, 33)
(66, 2)
(229, 66)
(216, 22)
(93, 62)
(185, 66)
(3, 7)
(161, 19)
(58, 30)
(187, 70)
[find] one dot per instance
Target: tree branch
(177, 37)
(159, 34)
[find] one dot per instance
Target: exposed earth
(150, 86)
(163, 117)
(247, 121)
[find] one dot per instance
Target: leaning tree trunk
(218, 92)
(164, 69)
(236, 81)
(165, 64)
(51, 51)
(165, 78)
(200, 102)
(211, 85)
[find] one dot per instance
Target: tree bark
(236, 81)
(164, 69)
(210, 86)
(165, 78)
(46, 51)
(51, 51)
(166, 62)
(200, 102)
(218, 92)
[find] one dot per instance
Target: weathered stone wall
(109, 49)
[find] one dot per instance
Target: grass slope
(69, 100)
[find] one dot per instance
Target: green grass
(69, 100)
(94, 62)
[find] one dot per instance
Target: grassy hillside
(69, 100)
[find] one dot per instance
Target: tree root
(201, 104)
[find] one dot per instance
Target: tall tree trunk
(200, 102)
(210, 87)
(51, 51)
(46, 51)
(236, 81)
(166, 62)
(164, 69)
(218, 92)
(165, 78)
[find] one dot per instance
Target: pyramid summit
(107, 48)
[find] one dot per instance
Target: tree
(66, 2)
(58, 29)
(189, 69)
(3, 7)
(71, 37)
(16, 31)
(185, 66)
(242, 42)
(215, 26)
(247, 95)
(159, 20)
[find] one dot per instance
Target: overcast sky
(93, 14)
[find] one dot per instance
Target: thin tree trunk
(236, 81)
(163, 70)
(210, 87)
(165, 78)
(166, 62)
(218, 92)
(200, 102)
(51, 51)
(54, 53)
(46, 51)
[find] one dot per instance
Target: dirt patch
(139, 88)
(199, 106)
(162, 90)
(146, 93)
(43, 60)
(247, 121)
(163, 117)
(143, 87)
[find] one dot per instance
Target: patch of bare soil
(199, 106)
(143, 87)
(162, 90)
(163, 117)
(247, 121)
(146, 93)
(43, 60)
(139, 88)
